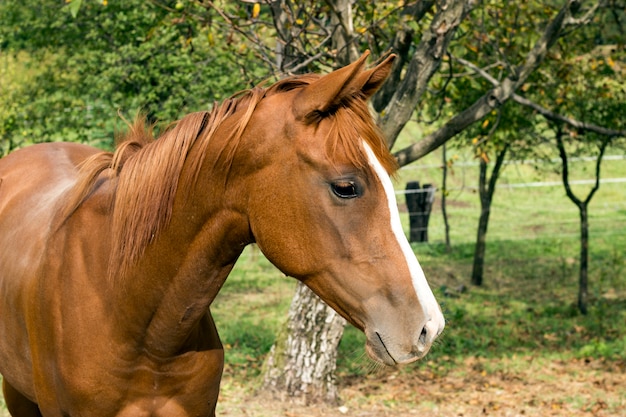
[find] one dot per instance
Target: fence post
(419, 202)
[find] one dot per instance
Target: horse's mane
(148, 169)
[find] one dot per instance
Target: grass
(527, 307)
(250, 309)
(519, 312)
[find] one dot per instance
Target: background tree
(494, 40)
(593, 95)
(595, 98)
(583, 210)
(486, 190)
(582, 79)
(113, 56)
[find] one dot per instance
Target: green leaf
(74, 7)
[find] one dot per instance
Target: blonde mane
(147, 170)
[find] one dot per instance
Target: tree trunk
(444, 197)
(424, 62)
(486, 189)
(584, 260)
(301, 364)
(483, 223)
(582, 205)
(343, 37)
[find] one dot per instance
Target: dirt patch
(504, 388)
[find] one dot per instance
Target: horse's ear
(328, 91)
(372, 79)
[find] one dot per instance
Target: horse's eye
(344, 189)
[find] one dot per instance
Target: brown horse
(109, 261)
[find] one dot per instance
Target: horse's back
(38, 174)
(33, 181)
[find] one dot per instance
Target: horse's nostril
(423, 335)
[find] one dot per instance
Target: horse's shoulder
(43, 157)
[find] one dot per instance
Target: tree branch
(565, 170)
(549, 115)
(343, 35)
(586, 18)
(401, 46)
(554, 117)
(423, 64)
(565, 166)
(493, 98)
(249, 35)
(596, 186)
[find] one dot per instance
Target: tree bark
(483, 223)
(401, 45)
(424, 62)
(583, 276)
(301, 364)
(343, 35)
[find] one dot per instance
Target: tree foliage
(113, 56)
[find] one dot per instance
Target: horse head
(322, 209)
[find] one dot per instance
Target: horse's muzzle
(392, 350)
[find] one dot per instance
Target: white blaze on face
(422, 289)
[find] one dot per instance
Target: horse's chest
(156, 407)
(181, 387)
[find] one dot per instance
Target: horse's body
(107, 271)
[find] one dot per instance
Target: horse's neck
(181, 273)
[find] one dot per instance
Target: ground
(512, 387)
